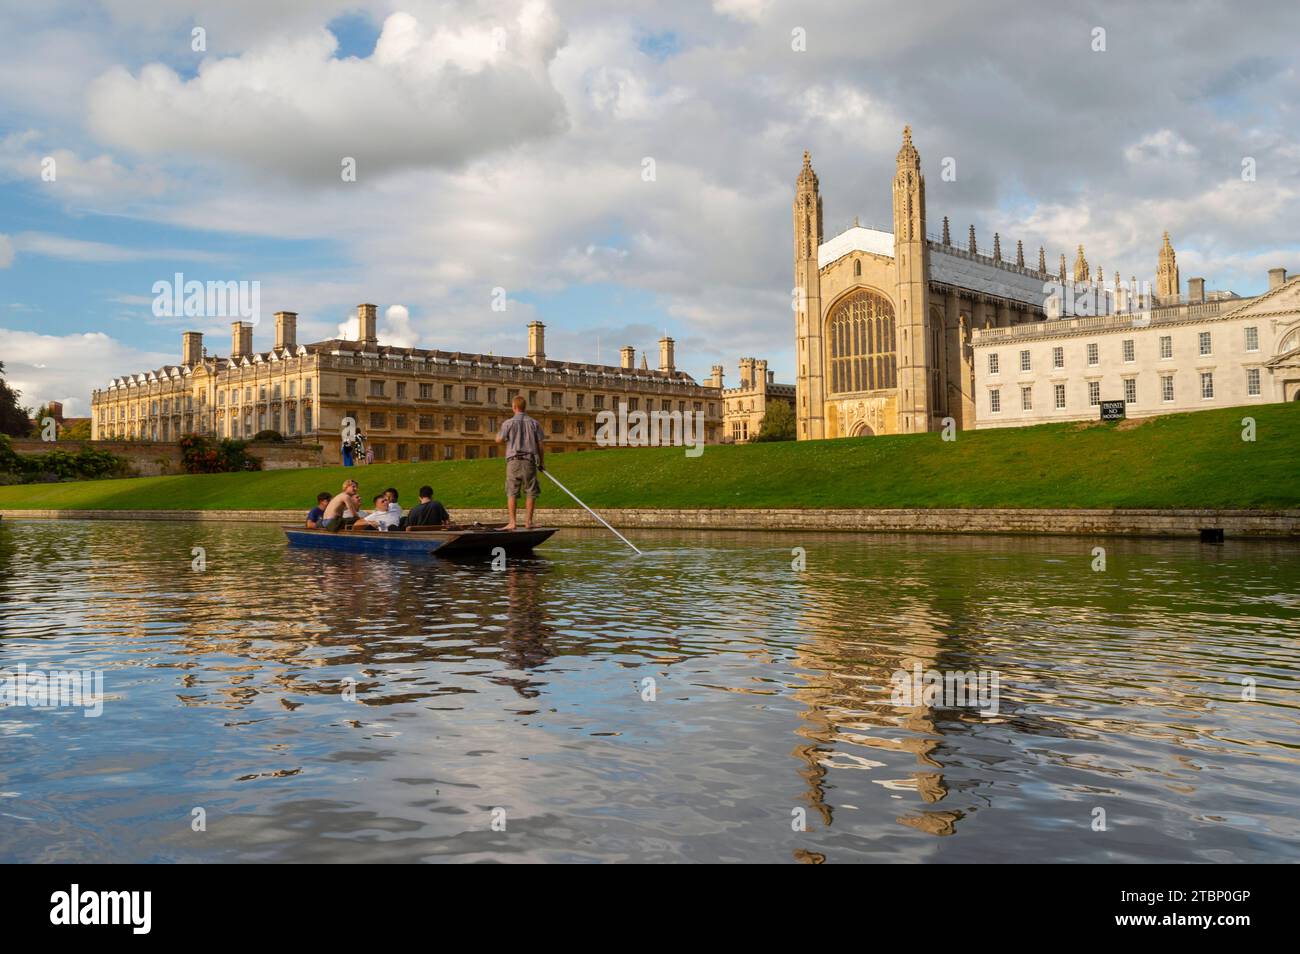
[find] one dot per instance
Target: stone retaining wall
(153, 459)
(1162, 523)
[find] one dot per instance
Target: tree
(777, 423)
(13, 416)
(36, 425)
(78, 430)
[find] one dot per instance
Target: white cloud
(396, 328)
(6, 251)
(80, 250)
(430, 94)
(752, 10)
(1054, 145)
(55, 367)
(1161, 146)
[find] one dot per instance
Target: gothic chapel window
(862, 344)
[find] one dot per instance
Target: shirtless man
(345, 504)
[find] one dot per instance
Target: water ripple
(694, 704)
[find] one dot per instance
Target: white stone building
(1182, 354)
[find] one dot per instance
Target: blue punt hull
(420, 543)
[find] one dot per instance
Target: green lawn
(1183, 460)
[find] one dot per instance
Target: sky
(616, 171)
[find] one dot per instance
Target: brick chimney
(760, 372)
(241, 340)
(286, 329)
(1276, 277)
(627, 358)
(716, 379)
(191, 348)
(1196, 289)
(666, 354)
(536, 342)
(368, 325)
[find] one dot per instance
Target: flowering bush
(200, 456)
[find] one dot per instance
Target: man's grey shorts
(521, 474)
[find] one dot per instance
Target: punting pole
(592, 512)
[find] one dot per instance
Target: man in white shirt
(393, 507)
(381, 518)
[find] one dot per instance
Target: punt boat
(452, 540)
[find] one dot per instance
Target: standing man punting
(523, 438)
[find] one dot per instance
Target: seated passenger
(391, 494)
(316, 516)
(342, 508)
(381, 518)
(428, 512)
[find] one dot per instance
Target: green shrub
(10, 462)
(200, 456)
(86, 464)
(269, 435)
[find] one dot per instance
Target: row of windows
(1128, 348)
(170, 405)
(428, 452)
(378, 420)
(1253, 388)
(236, 425)
(276, 392)
(470, 394)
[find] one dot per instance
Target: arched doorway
(862, 429)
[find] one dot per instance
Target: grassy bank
(1184, 460)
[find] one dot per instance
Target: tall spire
(907, 152)
(807, 211)
(806, 174)
(997, 247)
(1020, 253)
(972, 239)
(1042, 260)
(1167, 283)
(1081, 267)
(909, 192)
(947, 239)
(1062, 268)
(913, 385)
(807, 232)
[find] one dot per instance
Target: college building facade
(745, 406)
(888, 325)
(411, 404)
(1178, 354)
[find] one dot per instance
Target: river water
(707, 701)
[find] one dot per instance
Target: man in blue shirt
(523, 438)
(317, 513)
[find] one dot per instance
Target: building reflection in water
(860, 626)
